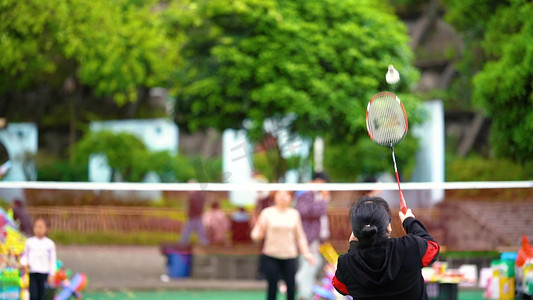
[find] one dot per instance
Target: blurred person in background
(22, 217)
(280, 227)
(263, 201)
(240, 226)
(216, 224)
(312, 206)
(40, 257)
(371, 193)
(194, 213)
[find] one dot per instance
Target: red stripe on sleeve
(339, 286)
(431, 253)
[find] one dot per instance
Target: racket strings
(386, 120)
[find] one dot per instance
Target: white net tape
(248, 186)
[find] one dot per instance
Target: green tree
(315, 63)
(111, 46)
(125, 153)
(129, 157)
(73, 54)
(503, 87)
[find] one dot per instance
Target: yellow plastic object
(15, 241)
(329, 253)
(506, 288)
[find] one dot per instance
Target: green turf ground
(217, 295)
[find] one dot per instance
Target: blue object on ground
(179, 264)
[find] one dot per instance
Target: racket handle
(403, 206)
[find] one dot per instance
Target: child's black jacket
(390, 270)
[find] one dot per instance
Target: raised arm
(428, 247)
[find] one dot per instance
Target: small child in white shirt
(40, 256)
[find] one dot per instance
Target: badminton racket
(386, 123)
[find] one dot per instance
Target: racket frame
(403, 205)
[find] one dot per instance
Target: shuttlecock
(392, 76)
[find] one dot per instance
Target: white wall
(21, 143)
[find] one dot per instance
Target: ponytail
(368, 231)
(370, 217)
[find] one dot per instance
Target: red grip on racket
(403, 205)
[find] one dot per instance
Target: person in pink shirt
(280, 226)
(40, 257)
(216, 224)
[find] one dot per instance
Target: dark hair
(18, 203)
(370, 217)
(370, 179)
(321, 175)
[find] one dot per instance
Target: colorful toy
(525, 252)
(15, 241)
(73, 287)
(326, 290)
(527, 282)
(7, 219)
(10, 283)
(11, 246)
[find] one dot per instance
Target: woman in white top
(281, 228)
(40, 256)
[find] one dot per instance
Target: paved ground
(123, 268)
(127, 272)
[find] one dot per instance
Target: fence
(110, 218)
(126, 219)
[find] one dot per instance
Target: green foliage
(58, 170)
(482, 169)
(206, 169)
(444, 255)
(502, 88)
(177, 168)
(125, 153)
(271, 164)
(257, 60)
(114, 47)
(128, 156)
(263, 166)
(349, 163)
(226, 61)
(472, 16)
(317, 61)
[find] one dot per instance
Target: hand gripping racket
(386, 123)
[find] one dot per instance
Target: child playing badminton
(377, 266)
(40, 256)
